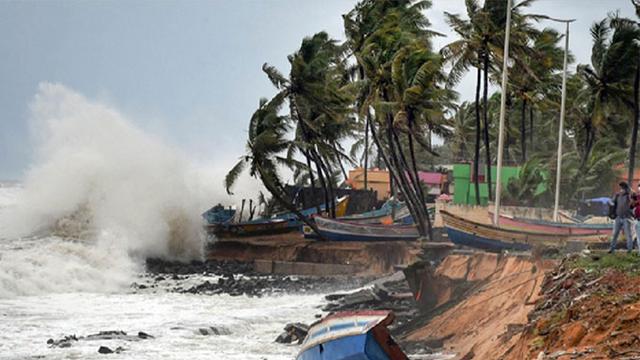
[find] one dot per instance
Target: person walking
(623, 216)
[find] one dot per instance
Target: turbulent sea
(101, 197)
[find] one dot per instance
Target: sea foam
(101, 196)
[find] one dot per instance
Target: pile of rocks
(69, 340)
(390, 293)
(233, 278)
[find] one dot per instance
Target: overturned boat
(352, 335)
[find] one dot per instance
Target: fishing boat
(496, 238)
(379, 216)
(340, 230)
(350, 336)
(553, 227)
(218, 215)
(278, 224)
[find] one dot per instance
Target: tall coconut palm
(607, 86)
(631, 30)
(319, 105)
(266, 146)
(391, 26)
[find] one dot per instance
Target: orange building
(377, 180)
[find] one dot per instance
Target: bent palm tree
(267, 141)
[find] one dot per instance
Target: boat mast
(503, 103)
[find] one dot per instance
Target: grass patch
(623, 261)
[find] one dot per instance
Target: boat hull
(358, 335)
(279, 224)
(252, 229)
(493, 238)
(337, 230)
(554, 228)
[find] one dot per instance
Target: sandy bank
(474, 304)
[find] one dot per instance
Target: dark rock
(214, 330)
(144, 335)
(159, 278)
(293, 332)
(105, 350)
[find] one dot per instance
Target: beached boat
(277, 224)
(339, 230)
(218, 214)
(553, 227)
(355, 335)
(494, 238)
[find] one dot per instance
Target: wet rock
(144, 335)
(105, 350)
(293, 332)
(214, 330)
(65, 342)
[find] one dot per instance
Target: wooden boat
(350, 336)
(218, 214)
(339, 230)
(278, 224)
(493, 238)
(553, 227)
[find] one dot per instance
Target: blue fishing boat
(355, 335)
(495, 238)
(277, 224)
(218, 215)
(340, 230)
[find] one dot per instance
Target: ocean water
(100, 197)
(51, 287)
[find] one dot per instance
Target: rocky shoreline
(234, 278)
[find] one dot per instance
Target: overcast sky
(188, 71)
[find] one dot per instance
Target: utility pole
(503, 103)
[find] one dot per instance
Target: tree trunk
(406, 181)
(241, 210)
(394, 175)
(634, 134)
(531, 128)
(485, 109)
(339, 161)
(415, 171)
(322, 180)
(276, 193)
(366, 150)
(476, 157)
(313, 181)
(523, 132)
(329, 181)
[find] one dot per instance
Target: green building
(464, 188)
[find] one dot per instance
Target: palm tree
(544, 61)
(607, 87)
(388, 27)
(479, 46)
(319, 105)
(265, 147)
(631, 36)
